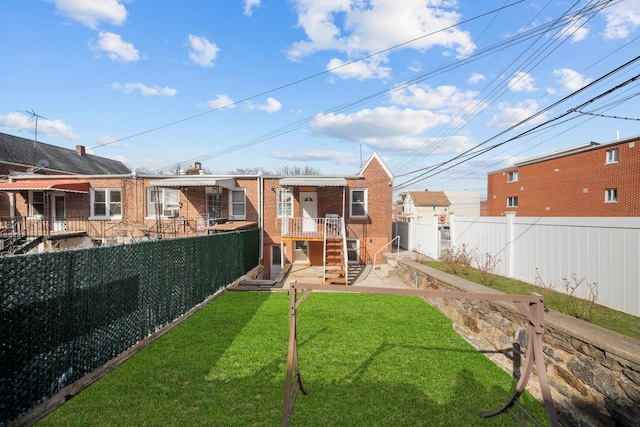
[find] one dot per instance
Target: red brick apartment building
(330, 221)
(589, 180)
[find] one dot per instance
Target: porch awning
(194, 181)
(69, 187)
(315, 181)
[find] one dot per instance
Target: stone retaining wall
(594, 373)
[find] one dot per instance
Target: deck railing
(312, 228)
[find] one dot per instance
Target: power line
(295, 82)
(519, 38)
(472, 153)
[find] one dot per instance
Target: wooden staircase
(335, 263)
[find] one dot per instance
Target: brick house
(314, 220)
(595, 180)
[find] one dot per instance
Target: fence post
(509, 253)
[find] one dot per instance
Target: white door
(276, 261)
(58, 213)
(309, 208)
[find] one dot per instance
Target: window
(284, 203)
(358, 205)
(612, 155)
(106, 203)
(164, 202)
(214, 202)
(353, 251)
(36, 203)
(611, 195)
(512, 176)
(512, 202)
(238, 204)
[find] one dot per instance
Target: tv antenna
(35, 137)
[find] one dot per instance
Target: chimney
(81, 150)
(196, 169)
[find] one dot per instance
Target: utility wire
(473, 151)
(519, 38)
(321, 73)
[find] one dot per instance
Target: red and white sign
(441, 219)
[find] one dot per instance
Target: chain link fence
(66, 313)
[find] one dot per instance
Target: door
(309, 208)
(276, 261)
(58, 214)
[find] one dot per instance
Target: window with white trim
(163, 202)
(611, 195)
(36, 203)
(512, 202)
(106, 203)
(353, 251)
(358, 203)
(284, 202)
(237, 204)
(214, 202)
(512, 176)
(612, 156)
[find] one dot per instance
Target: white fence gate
(599, 250)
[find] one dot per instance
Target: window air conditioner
(170, 213)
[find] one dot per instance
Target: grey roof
(195, 181)
(313, 181)
(17, 150)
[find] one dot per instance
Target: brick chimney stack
(195, 170)
(81, 150)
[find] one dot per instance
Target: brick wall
(573, 185)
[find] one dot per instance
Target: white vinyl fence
(548, 250)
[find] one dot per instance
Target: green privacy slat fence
(67, 313)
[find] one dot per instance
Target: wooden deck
(231, 226)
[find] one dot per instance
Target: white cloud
(19, 121)
(510, 115)
(116, 48)
(358, 28)
(577, 29)
(475, 78)
(384, 128)
(446, 99)
(91, 12)
(144, 89)
(366, 69)
(522, 82)
(249, 5)
(622, 18)
(203, 52)
(108, 140)
(271, 106)
(341, 157)
(571, 80)
(221, 101)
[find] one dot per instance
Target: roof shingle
(17, 150)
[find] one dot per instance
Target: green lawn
(366, 360)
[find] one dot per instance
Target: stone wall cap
(605, 339)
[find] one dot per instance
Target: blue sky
(321, 83)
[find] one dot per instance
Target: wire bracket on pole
(530, 306)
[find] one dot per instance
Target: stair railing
(378, 251)
(345, 256)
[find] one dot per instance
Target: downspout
(261, 217)
(12, 203)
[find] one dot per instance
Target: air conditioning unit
(170, 213)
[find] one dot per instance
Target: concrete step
(385, 270)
